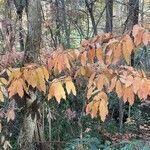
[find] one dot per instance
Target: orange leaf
(127, 48)
(103, 105)
(84, 58)
(113, 84)
(66, 61)
(19, 89)
(136, 84)
(128, 95)
(12, 88)
(138, 38)
(91, 54)
(119, 89)
(117, 53)
(94, 109)
(91, 80)
(99, 54)
(101, 82)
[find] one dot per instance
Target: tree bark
(65, 25)
(133, 14)
(109, 16)
(32, 47)
(34, 17)
(90, 10)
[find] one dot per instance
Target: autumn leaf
(19, 88)
(113, 84)
(94, 109)
(138, 37)
(91, 54)
(103, 105)
(56, 89)
(66, 61)
(127, 48)
(119, 89)
(136, 84)
(84, 58)
(3, 81)
(101, 81)
(90, 91)
(99, 54)
(12, 88)
(41, 82)
(45, 72)
(70, 86)
(50, 63)
(91, 80)
(128, 95)
(117, 53)
(1, 97)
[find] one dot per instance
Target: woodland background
(33, 34)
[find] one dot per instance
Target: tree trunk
(109, 16)
(133, 14)
(90, 10)
(32, 47)
(65, 25)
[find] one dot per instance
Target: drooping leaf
(70, 86)
(84, 58)
(127, 48)
(119, 89)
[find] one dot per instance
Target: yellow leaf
(94, 109)
(56, 89)
(12, 88)
(45, 72)
(1, 97)
(41, 82)
(19, 87)
(90, 91)
(70, 86)
(4, 81)
(16, 73)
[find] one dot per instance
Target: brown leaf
(113, 84)
(84, 58)
(119, 89)
(127, 48)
